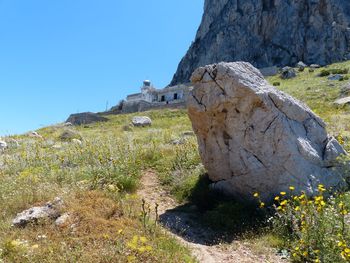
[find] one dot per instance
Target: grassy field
(98, 179)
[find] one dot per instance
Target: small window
(175, 96)
(162, 98)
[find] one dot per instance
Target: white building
(149, 93)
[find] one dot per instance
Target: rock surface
(288, 73)
(342, 101)
(301, 66)
(269, 33)
(254, 138)
(141, 121)
(85, 118)
(35, 214)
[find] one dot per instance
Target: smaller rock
(34, 134)
(3, 145)
(67, 124)
(336, 77)
(34, 214)
(313, 66)
(85, 118)
(342, 101)
(62, 220)
(141, 121)
(269, 71)
(288, 73)
(77, 141)
(301, 66)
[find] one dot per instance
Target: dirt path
(181, 223)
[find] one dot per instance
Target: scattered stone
(342, 101)
(288, 73)
(85, 118)
(35, 214)
(141, 121)
(3, 145)
(311, 70)
(314, 66)
(338, 77)
(34, 134)
(269, 71)
(77, 141)
(62, 220)
(254, 138)
(301, 66)
(67, 124)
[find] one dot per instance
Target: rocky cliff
(269, 32)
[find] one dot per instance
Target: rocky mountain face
(269, 33)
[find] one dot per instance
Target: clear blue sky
(68, 56)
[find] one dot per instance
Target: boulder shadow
(210, 218)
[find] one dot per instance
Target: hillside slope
(101, 183)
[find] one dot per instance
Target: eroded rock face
(254, 138)
(269, 33)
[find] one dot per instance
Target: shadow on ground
(210, 218)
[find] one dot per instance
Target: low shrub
(313, 229)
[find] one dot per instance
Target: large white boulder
(254, 138)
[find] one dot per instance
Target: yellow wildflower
(256, 195)
(284, 202)
(292, 188)
(277, 198)
(283, 193)
(143, 239)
